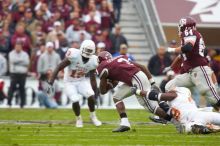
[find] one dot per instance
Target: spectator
(4, 43)
(105, 38)
(117, 4)
(53, 35)
(62, 7)
(159, 61)
(38, 35)
(91, 13)
(3, 65)
(97, 37)
(92, 25)
(63, 48)
(21, 36)
(107, 15)
(37, 52)
(100, 47)
(2, 94)
(124, 51)
(48, 60)
(43, 97)
(72, 30)
(42, 11)
(18, 68)
(117, 38)
(30, 21)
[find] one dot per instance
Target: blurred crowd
(35, 35)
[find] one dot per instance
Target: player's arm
(92, 75)
(64, 63)
(145, 70)
(187, 47)
(155, 95)
(105, 83)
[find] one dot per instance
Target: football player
(184, 111)
(77, 63)
(194, 70)
(111, 70)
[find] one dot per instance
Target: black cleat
(121, 129)
(200, 129)
(157, 119)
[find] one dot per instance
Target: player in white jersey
(184, 111)
(77, 63)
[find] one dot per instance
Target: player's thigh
(85, 89)
(202, 78)
(122, 91)
(71, 91)
(181, 80)
(141, 81)
(207, 118)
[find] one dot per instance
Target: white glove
(166, 69)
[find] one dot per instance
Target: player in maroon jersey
(194, 70)
(111, 70)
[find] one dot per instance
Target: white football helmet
(87, 48)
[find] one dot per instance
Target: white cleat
(79, 123)
(95, 121)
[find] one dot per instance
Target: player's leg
(12, 88)
(141, 81)
(205, 122)
(202, 77)
(181, 80)
(72, 94)
(85, 89)
(122, 91)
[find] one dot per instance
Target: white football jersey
(77, 69)
(183, 102)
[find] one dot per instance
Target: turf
(41, 127)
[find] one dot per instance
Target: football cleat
(121, 129)
(157, 119)
(79, 123)
(200, 129)
(95, 121)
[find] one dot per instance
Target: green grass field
(42, 127)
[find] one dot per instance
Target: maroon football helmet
(104, 55)
(186, 23)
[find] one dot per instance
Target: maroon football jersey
(119, 69)
(196, 57)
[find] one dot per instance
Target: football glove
(153, 95)
(166, 69)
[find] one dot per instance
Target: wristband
(159, 96)
(152, 81)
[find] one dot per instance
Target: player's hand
(166, 69)
(49, 89)
(153, 95)
(175, 113)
